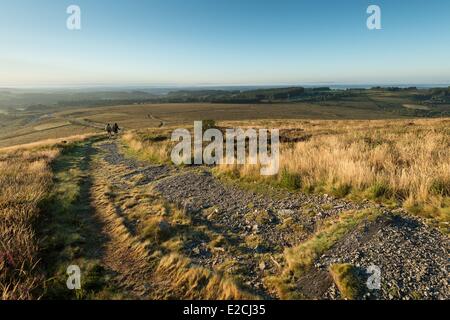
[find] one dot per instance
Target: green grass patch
(149, 137)
(289, 180)
(341, 190)
(379, 190)
(346, 278)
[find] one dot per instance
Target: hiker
(108, 130)
(116, 129)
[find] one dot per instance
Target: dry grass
(407, 162)
(47, 143)
(25, 178)
(194, 282)
(148, 145)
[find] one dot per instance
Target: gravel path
(412, 257)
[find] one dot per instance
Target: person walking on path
(109, 130)
(115, 129)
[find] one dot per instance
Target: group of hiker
(112, 130)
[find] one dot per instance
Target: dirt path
(85, 227)
(124, 254)
(162, 123)
(83, 122)
(255, 229)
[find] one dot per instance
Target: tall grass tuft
(25, 178)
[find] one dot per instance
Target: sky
(223, 42)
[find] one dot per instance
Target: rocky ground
(411, 257)
(257, 227)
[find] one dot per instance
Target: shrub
(291, 181)
(341, 190)
(158, 229)
(154, 138)
(440, 187)
(346, 278)
(379, 190)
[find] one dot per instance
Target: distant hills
(395, 99)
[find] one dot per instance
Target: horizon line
(205, 85)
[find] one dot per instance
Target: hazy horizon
(225, 86)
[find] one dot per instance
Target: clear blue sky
(137, 42)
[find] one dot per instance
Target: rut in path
(123, 254)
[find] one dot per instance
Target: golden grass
(347, 281)
(194, 282)
(403, 161)
(400, 162)
(147, 145)
(165, 229)
(47, 143)
(51, 125)
(25, 178)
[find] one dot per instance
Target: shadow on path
(70, 232)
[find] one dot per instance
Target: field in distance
(23, 122)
